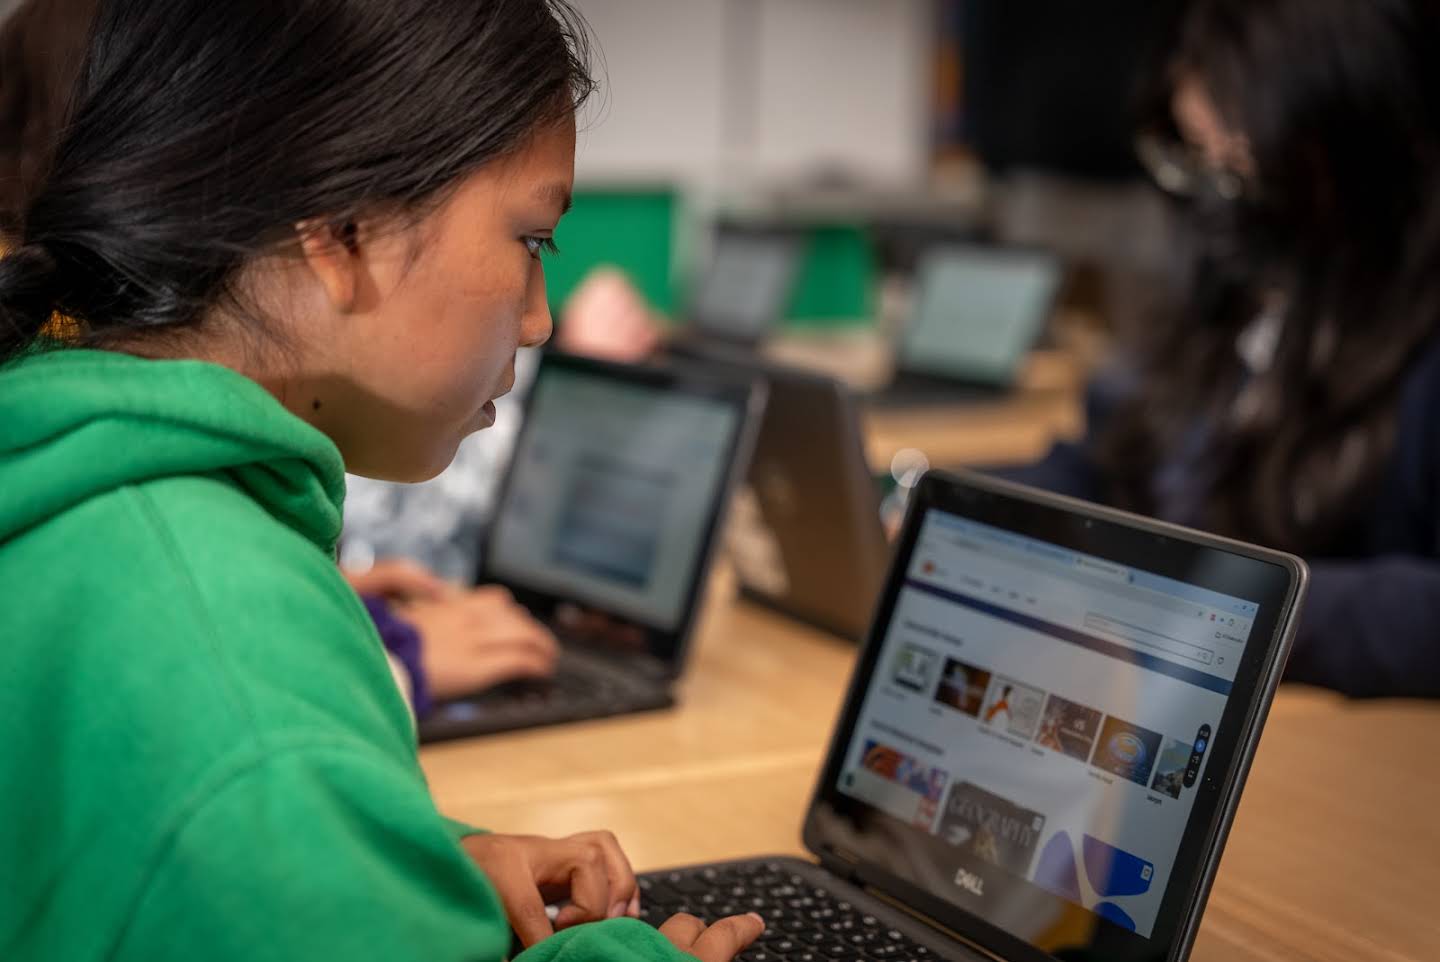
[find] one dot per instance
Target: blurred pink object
(607, 317)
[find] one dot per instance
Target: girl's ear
(332, 253)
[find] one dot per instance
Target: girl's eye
(541, 245)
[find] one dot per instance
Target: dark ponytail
(202, 132)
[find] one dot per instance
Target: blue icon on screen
(1200, 745)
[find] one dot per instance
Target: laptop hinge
(841, 863)
(846, 865)
(932, 923)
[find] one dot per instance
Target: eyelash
(541, 245)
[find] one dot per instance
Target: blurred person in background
(1296, 402)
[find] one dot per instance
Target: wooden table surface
(1335, 854)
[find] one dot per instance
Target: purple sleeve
(402, 640)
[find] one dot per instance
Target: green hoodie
(207, 756)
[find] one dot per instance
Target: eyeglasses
(1180, 169)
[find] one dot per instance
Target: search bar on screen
(1148, 639)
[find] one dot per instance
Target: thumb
(727, 938)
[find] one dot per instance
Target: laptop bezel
(906, 372)
(745, 395)
(1231, 751)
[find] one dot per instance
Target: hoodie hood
(76, 424)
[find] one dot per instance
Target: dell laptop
(978, 311)
(805, 535)
(604, 529)
(1042, 748)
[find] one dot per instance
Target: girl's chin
(486, 418)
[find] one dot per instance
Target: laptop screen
(747, 288)
(617, 481)
(1036, 738)
(978, 311)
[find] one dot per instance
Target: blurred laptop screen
(614, 486)
(978, 311)
(747, 287)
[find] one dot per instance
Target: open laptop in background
(1043, 745)
(605, 528)
(744, 292)
(805, 535)
(977, 312)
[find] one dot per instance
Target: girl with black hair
(292, 237)
(1298, 402)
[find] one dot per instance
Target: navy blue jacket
(1371, 625)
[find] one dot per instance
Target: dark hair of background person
(1340, 103)
(41, 46)
(201, 133)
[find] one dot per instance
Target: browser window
(1046, 716)
(613, 488)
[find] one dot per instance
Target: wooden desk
(730, 723)
(1335, 854)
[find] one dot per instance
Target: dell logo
(971, 883)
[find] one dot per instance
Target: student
(294, 239)
(445, 641)
(1298, 402)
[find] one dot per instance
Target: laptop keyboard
(565, 685)
(804, 922)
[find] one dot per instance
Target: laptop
(604, 529)
(978, 311)
(745, 290)
(1043, 745)
(805, 534)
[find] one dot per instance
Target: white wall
(844, 83)
(658, 113)
(711, 92)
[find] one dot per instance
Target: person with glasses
(1295, 400)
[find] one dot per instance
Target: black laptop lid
(1054, 705)
(977, 312)
(747, 287)
(609, 512)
